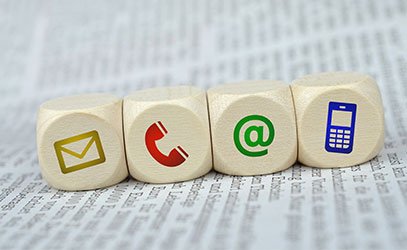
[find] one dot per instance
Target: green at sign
(259, 130)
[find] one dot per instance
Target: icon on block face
(340, 127)
(154, 133)
(247, 135)
(84, 162)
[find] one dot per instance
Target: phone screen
(341, 118)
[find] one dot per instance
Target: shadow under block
(339, 119)
(253, 127)
(167, 134)
(80, 142)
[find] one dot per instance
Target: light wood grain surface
(313, 95)
(247, 109)
(167, 134)
(80, 142)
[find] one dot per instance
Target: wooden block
(253, 127)
(80, 142)
(339, 118)
(167, 134)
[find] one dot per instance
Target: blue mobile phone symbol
(340, 127)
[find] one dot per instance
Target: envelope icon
(79, 152)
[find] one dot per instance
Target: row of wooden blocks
(173, 134)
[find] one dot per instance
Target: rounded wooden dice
(80, 142)
(339, 118)
(253, 127)
(167, 134)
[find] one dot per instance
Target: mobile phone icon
(340, 127)
(154, 133)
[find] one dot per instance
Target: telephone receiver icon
(153, 134)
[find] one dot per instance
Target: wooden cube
(253, 127)
(339, 118)
(80, 142)
(167, 134)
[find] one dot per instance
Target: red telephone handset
(153, 134)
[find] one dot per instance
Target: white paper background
(50, 49)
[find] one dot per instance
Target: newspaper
(50, 49)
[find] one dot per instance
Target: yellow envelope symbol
(94, 139)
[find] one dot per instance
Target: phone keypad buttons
(339, 138)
